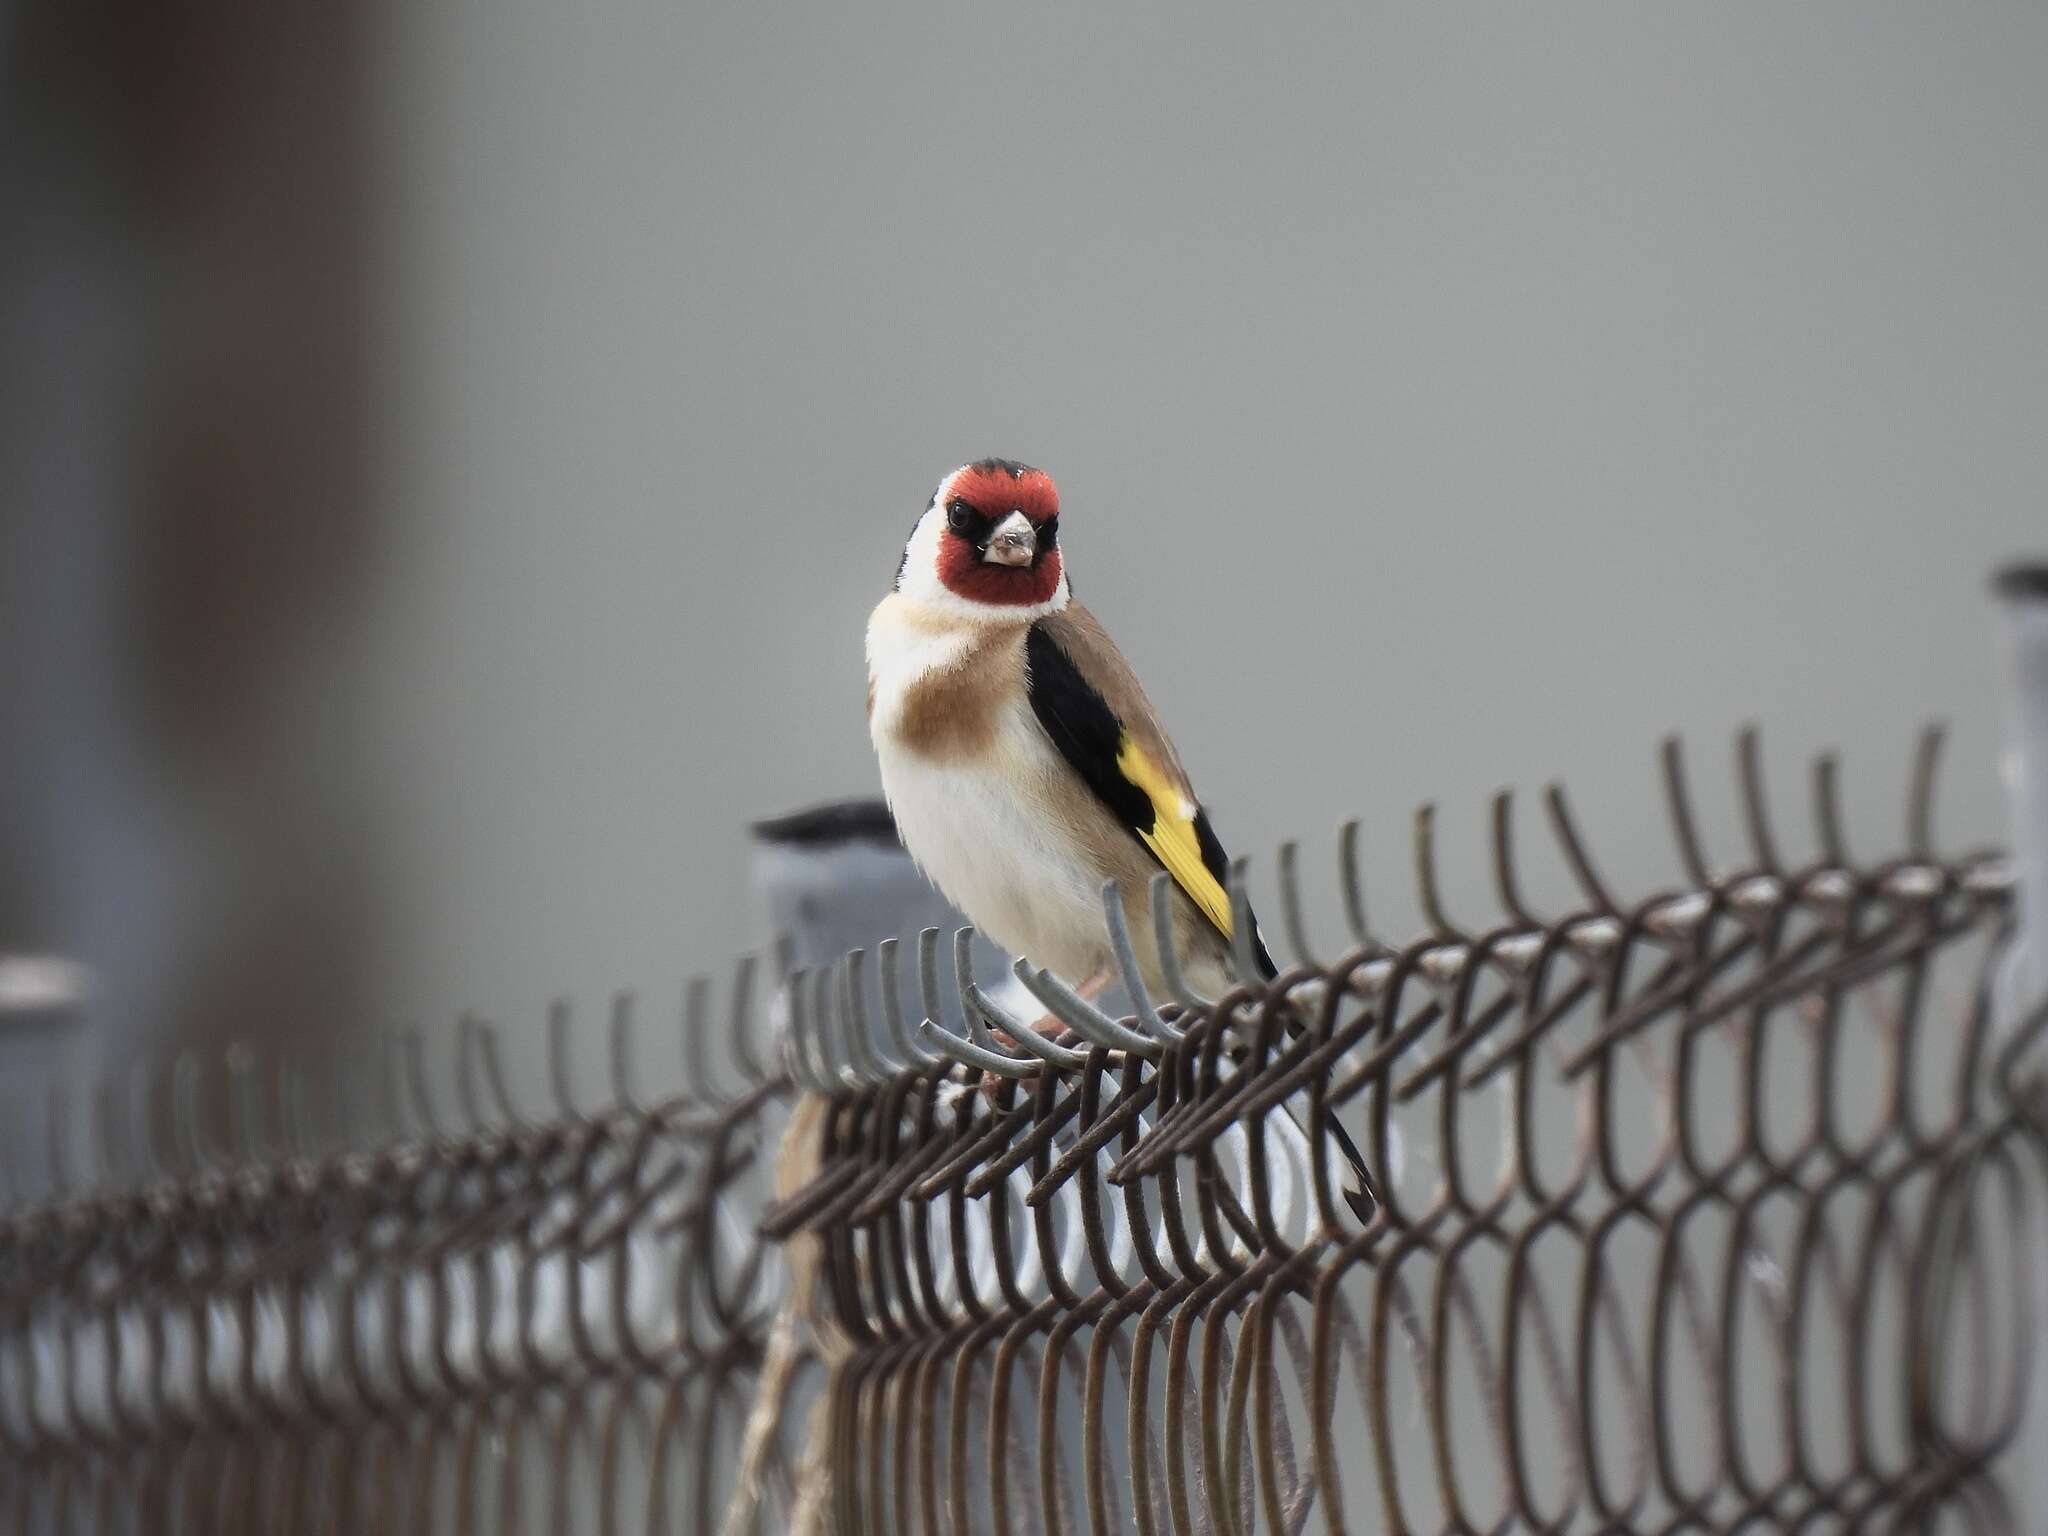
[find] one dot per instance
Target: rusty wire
(404, 1308)
(1712, 1211)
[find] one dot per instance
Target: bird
(1019, 754)
(1020, 757)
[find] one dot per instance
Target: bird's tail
(1360, 1191)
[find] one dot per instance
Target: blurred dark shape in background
(185, 533)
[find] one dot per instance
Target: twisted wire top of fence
(1704, 1211)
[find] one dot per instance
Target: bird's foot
(1049, 1024)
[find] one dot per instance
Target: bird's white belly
(984, 832)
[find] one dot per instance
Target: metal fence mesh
(1711, 1211)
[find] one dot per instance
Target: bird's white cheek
(920, 578)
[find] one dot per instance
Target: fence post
(2022, 592)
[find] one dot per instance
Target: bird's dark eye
(1049, 531)
(959, 516)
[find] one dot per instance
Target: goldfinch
(1020, 756)
(1021, 759)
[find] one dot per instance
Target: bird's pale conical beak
(1015, 542)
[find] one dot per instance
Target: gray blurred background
(448, 451)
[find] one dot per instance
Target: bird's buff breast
(986, 839)
(970, 777)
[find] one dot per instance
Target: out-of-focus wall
(450, 450)
(1441, 397)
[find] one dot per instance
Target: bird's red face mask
(1000, 542)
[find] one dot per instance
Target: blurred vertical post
(2023, 642)
(187, 526)
(2022, 593)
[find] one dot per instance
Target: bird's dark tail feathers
(1362, 1193)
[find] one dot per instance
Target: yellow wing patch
(1172, 839)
